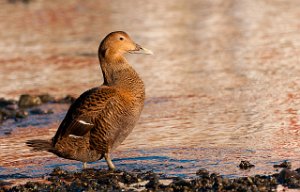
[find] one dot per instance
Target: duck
(101, 118)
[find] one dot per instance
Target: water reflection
(222, 87)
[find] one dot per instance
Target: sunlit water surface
(223, 85)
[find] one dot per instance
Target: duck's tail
(40, 145)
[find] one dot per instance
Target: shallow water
(223, 85)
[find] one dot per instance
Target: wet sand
(222, 87)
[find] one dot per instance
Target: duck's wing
(79, 119)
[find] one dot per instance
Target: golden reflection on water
(223, 84)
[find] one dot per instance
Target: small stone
(46, 98)
(58, 172)
(284, 164)
(5, 103)
(245, 165)
(67, 99)
(29, 101)
(21, 114)
(38, 111)
(289, 178)
(5, 114)
(153, 183)
(202, 173)
(129, 178)
(181, 185)
(7, 132)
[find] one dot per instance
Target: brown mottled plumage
(102, 117)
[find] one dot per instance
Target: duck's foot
(84, 166)
(110, 164)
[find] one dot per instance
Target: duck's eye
(121, 38)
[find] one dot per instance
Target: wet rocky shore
(137, 180)
(28, 105)
(134, 180)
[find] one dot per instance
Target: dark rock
(245, 165)
(21, 114)
(11, 109)
(182, 185)
(26, 101)
(298, 171)
(38, 111)
(153, 183)
(67, 99)
(202, 173)
(46, 98)
(104, 180)
(57, 171)
(289, 178)
(21, 1)
(148, 175)
(6, 114)
(6, 103)
(284, 164)
(129, 178)
(8, 132)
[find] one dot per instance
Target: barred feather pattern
(113, 111)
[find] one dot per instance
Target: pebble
(245, 165)
(26, 101)
(284, 164)
(29, 105)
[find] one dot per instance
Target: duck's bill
(141, 50)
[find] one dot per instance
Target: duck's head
(119, 43)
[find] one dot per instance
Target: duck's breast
(117, 120)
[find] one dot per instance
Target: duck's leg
(84, 165)
(110, 164)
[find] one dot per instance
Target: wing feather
(81, 115)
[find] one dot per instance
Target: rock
(21, 114)
(245, 165)
(104, 180)
(21, 1)
(153, 183)
(289, 178)
(7, 132)
(7, 114)
(26, 101)
(46, 98)
(38, 111)
(57, 171)
(182, 185)
(27, 105)
(202, 173)
(67, 99)
(6, 103)
(284, 164)
(129, 178)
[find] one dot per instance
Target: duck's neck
(117, 72)
(110, 67)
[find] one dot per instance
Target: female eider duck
(102, 117)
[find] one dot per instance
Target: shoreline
(133, 180)
(138, 180)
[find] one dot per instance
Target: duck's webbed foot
(110, 164)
